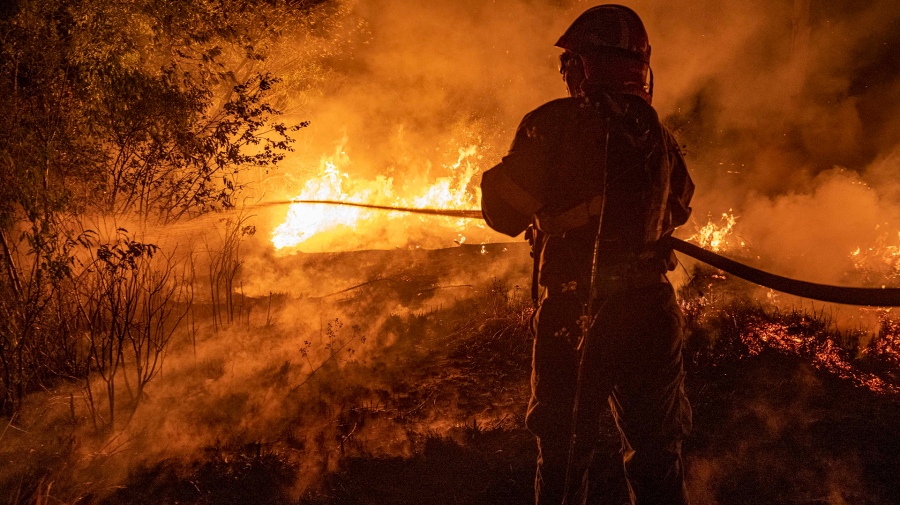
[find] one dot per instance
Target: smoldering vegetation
(290, 385)
(326, 398)
(787, 113)
(157, 348)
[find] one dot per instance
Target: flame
(879, 262)
(717, 236)
(887, 346)
(333, 182)
(824, 352)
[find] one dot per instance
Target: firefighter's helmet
(607, 28)
(611, 45)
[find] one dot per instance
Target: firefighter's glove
(529, 236)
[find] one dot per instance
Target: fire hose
(875, 297)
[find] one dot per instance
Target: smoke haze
(768, 98)
(788, 111)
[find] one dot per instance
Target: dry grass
(426, 404)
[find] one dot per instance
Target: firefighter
(597, 181)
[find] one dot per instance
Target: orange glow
(304, 221)
(881, 260)
(718, 237)
(888, 346)
(825, 353)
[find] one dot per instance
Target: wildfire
(305, 221)
(717, 236)
(881, 261)
(824, 352)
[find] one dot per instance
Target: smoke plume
(785, 109)
(788, 114)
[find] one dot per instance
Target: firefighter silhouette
(598, 181)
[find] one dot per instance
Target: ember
(879, 262)
(816, 345)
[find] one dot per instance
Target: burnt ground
(441, 421)
(772, 429)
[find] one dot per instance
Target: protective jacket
(554, 174)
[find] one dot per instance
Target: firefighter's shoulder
(560, 108)
(549, 116)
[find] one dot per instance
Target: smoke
(768, 98)
(416, 93)
(767, 447)
(787, 113)
(786, 108)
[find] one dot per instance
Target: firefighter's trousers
(633, 363)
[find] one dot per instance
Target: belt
(631, 280)
(628, 275)
(575, 217)
(609, 280)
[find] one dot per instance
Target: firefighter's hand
(530, 236)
